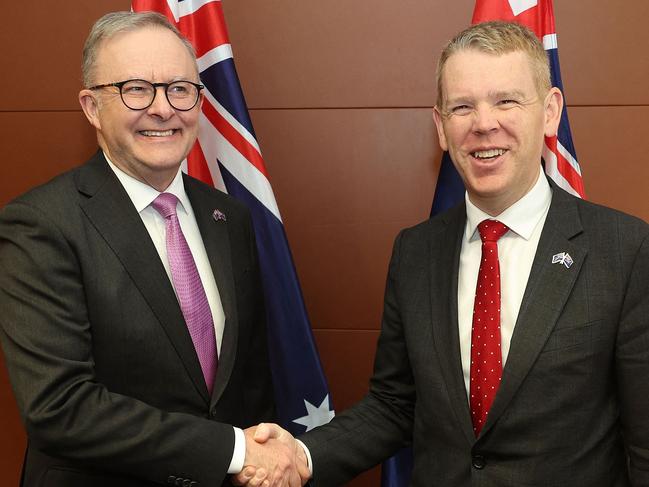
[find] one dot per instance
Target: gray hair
(115, 23)
(499, 38)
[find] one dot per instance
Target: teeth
(485, 154)
(157, 133)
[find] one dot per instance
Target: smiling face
(147, 144)
(492, 120)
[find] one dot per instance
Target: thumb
(262, 433)
(266, 431)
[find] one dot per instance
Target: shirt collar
(142, 195)
(521, 217)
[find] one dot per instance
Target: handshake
(274, 458)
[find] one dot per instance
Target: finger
(283, 481)
(258, 479)
(244, 476)
(277, 479)
(294, 479)
(255, 482)
(290, 478)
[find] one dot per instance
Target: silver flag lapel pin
(219, 215)
(562, 258)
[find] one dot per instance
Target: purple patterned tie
(189, 289)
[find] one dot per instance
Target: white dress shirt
(142, 195)
(516, 251)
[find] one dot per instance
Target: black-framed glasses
(138, 94)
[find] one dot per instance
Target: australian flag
(227, 156)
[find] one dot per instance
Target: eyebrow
(506, 94)
(459, 100)
(492, 95)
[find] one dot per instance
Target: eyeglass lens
(139, 94)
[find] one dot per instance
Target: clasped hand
(273, 459)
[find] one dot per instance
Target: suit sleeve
(632, 366)
(381, 423)
(48, 347)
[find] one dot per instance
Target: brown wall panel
(42, 70)
(305, 53)
(612, 146)
(376, 165)
(603, 47)
(38, 145)
(347, 358)
(309, 53)
(335, 52)
(346, 182)
(342, 270)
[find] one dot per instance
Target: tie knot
(165, 204)
(491, 230)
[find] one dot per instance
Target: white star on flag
(520, 6)
(316, 416)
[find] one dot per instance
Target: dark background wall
(340, 94)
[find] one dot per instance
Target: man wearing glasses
(132, 317)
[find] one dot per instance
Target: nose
(485, 119)
(160, 106)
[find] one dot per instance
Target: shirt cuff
(239, 453)
(308, 456)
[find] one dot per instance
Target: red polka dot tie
(486, 357)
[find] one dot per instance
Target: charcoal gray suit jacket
(103, 368)
(573, 405)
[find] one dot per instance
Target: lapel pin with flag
(218, 215)
(562, 258)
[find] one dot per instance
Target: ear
(439, 123)
(553, 108)
(90, 106)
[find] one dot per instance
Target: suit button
(213, 412)
(478, 462)
(171, 479)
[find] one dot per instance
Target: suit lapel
(216, 238)
(445, 251)
(110, 210)
(548, 288)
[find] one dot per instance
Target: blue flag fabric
(449, 190)
(297, 376)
